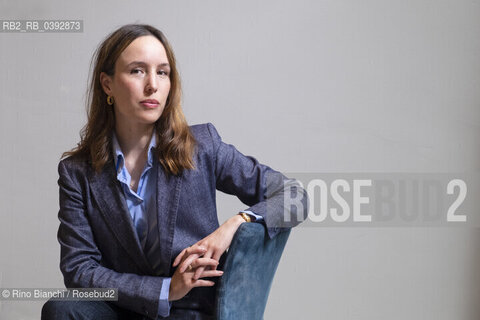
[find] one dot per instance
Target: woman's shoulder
(76, 163)
(205, 132)
(207, 138)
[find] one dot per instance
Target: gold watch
(245, 217)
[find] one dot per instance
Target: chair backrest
(250, 265)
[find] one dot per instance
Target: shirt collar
(120, 158)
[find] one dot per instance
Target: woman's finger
(211, 273)
(187, 262)
(203, 283)
(179, 258)
(200, 269)
(217, 255)
(203, 262)
(195, 249)
(193, 262)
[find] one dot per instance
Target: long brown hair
(175, 143)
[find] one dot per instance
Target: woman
(137, 195)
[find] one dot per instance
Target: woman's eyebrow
(141, 63)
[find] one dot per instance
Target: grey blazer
(99, 244)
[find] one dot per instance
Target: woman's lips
(150, 103)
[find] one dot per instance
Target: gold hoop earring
(110, 100)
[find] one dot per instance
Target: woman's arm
(266, 191)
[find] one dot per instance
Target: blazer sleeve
(282, 202)
(80, 257)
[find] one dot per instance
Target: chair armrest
(249, 268)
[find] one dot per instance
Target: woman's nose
(152, 83)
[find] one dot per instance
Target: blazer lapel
(168, 194)
(109, 195)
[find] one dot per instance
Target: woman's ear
(106, 82)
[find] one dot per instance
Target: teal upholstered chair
(249, 268)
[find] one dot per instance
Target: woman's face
(140, 84)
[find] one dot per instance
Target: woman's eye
(162, 73)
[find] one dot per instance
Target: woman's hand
(212, 246)
(183, 282)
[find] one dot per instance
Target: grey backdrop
(305, 86)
